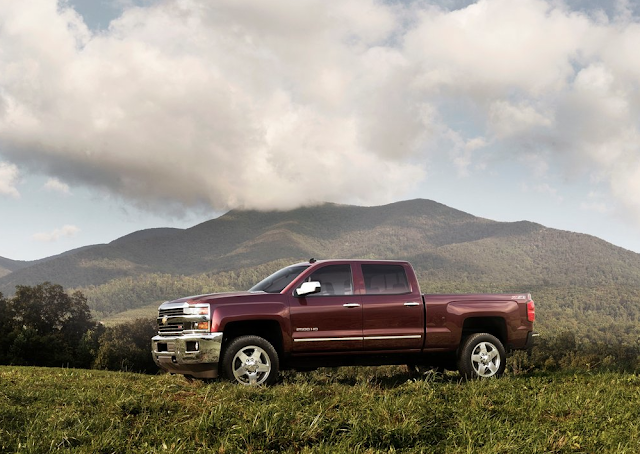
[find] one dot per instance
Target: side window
(385, 279)
(334, 280)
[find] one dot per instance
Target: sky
(120, 115)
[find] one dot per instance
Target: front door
(330, 320)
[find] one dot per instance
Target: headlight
(199, 309)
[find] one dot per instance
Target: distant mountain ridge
(8, 266)
(444, 244)
(146, 234)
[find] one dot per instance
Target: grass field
(149, 311)
(350, 410)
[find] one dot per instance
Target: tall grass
(354, 410)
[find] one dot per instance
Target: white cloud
(273, 105)
(8, 180)
(626, 189)
(230, 104)
(65, 231)
(55, 185)
(507, 120)
(495, 46)
(464, 153)
(597, 203)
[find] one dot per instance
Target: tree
(89, 345)
(126, 347)
(47, 325)
(6, 329)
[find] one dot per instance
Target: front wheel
(251, 361)
(482, 356)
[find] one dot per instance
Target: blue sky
(120, 115)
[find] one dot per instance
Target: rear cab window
(385, 279)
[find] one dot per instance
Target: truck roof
(314, 261)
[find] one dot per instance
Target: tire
(250, 361)
(482, 356)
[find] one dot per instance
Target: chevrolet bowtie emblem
(165, 319)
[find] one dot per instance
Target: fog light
(192, 346)
(202, 325)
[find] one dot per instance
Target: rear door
(393, 312)
(330, 320)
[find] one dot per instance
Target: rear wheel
(251, 361)
(482, 356)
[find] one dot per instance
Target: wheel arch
(269, 330)
(496, 326)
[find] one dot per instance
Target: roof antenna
(312, 260)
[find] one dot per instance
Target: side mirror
(308, 288)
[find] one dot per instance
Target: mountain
(450, 249)
(8, 266)
(142, 235)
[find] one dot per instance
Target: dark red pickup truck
(336, 313)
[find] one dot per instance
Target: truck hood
(215, 297)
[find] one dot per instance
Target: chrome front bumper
(197, 355)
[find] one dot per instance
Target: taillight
(531, 311)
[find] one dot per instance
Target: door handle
(411, 303)
(351, 305)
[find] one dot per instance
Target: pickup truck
(337, 313)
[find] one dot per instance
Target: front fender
(254, 311)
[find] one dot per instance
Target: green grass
(354, 410)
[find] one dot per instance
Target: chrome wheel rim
(251, 366)
(485, 359)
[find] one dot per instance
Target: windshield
(279, 280)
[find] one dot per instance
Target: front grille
(176, 318)
(174, 312)
(173, 329)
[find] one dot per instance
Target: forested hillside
(446, 246)
(579, 282)
(8, 266)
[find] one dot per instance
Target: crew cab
(336, 313)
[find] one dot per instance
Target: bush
(127, 347)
